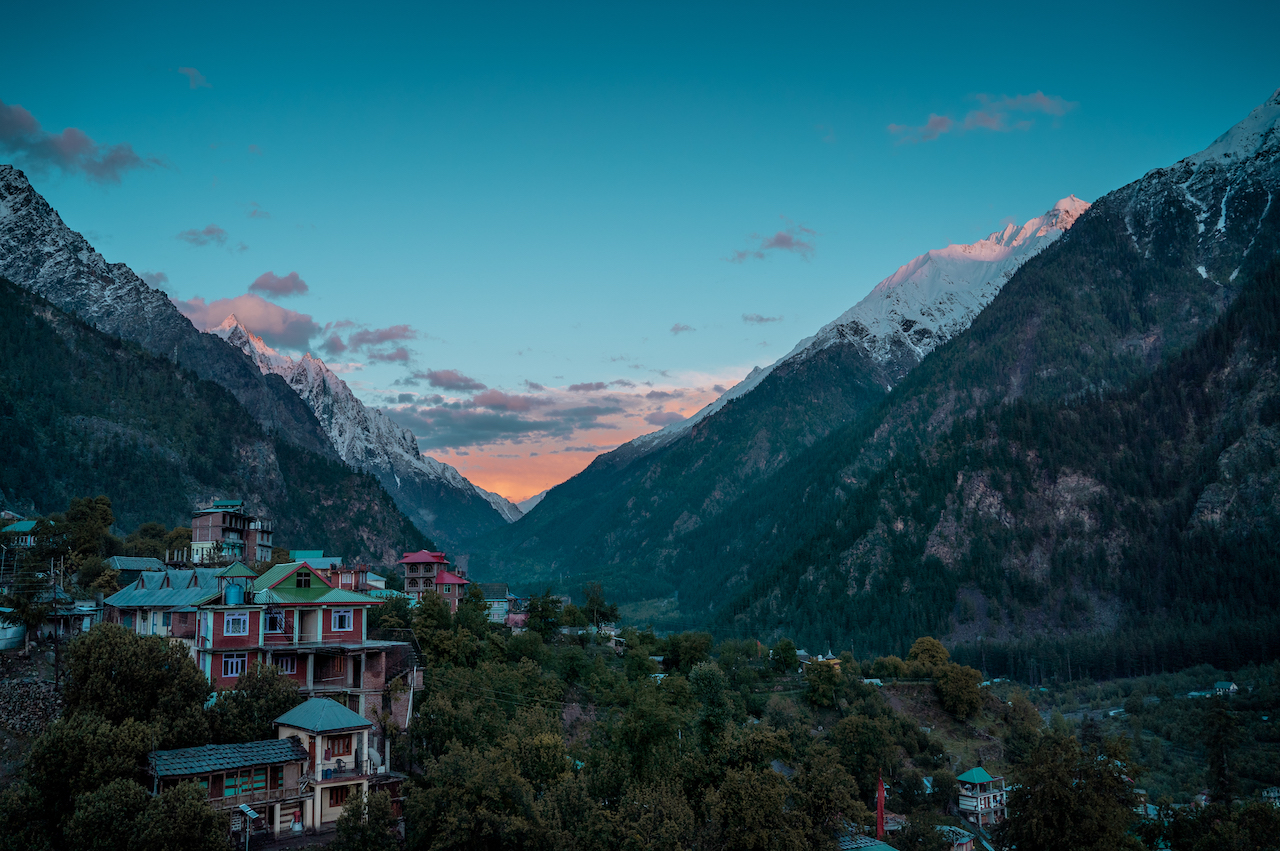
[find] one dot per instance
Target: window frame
(338, 796)
(273, 616)
(239, 617)
(350, 615)
(302, 579)
(448, 589)
(229, 661)
(340, 745)
(290, 668)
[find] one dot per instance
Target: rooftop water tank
(235, 595)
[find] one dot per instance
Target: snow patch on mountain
(365, 438)
(527, 505)
(917, 308)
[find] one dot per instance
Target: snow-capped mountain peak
(365, 438)
(1258, 133)
(922, 305)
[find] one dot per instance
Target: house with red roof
(426, 571)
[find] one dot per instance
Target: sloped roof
(281, 572)
(237, 570)
(206, 759)
(423, 557)
(189, 587)
(20, 526)
(322, 715)
(444, 577)
(975, 775)
(493, 590)
(123, 563)
(303, 555)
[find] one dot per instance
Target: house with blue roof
(983, 799)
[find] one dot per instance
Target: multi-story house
(290, 617)
(425, 572)
(498, 599)
(297, 781)
(983, 799)
(227, 528)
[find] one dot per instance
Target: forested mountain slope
(84, 413)
(1135, 281)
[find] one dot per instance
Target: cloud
(664, 394)
(71, 151)
(719, 388)
(256, 211)
(269, 283)
(378, 336)
(333, 345)
(621, 382)
(680, 328)
(589, 387)
(533, 385)
(442, 427)
(496, 400)
(994, 114)
(663, 418)
(757, 319)
(255, 149)
(795, 239)
(155, 279)
(196, 79)
(397, 355)
(451, 379)
(278, 326)
(210, 235)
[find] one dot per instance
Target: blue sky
(524, 197)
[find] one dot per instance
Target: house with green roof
(983, 799)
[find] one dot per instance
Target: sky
(532, 232)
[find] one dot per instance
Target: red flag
(879, 807)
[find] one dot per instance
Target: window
(167, 618)
(340, 664)
(413, 583)
(233, 664)
(342, 620)
(302, 579)
(235, 623)
(287, 664)
(448, 588)
(275, 621)
(341, 745)
(338, 796)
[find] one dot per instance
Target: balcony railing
(342, 769)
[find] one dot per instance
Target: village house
(321, 757)
(497, 598)
(21, 534)
(983, 800)
(290, 617)
(226, 529)
(1222, 688)
(356, 577)
(425, 572)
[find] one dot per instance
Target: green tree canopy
(247, 713)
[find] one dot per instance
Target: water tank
(235, 595)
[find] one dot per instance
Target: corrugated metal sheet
(146, 591)
(320, 715)
(207, 759)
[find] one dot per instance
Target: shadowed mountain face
(40, 253)
(792, 525)
(83, 413)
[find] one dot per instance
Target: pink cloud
(70, 151)
(196, 79)
(333, 345)
(378, 336)
(451, 379)
(496, 400)
(794, 239)
(210, 234)
(589, 387)
(994, 115)
(277, 325)
(663, 418)
(269, 283)
(397, 355)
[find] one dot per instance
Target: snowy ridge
(917, 308)
(527, 505)
(365, 438)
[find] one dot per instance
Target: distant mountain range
(811, 500)
(434, 495)
(302, 401)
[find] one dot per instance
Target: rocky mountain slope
(41, 254)
(650, 491)
(83, 413)
(438, 499)
(899, 500)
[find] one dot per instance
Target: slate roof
(147, 591)
(975, 775)
(322, 715)
(494, 590)
(206, 759)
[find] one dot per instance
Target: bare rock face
(38, 252)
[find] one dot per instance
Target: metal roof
(189, 587)
(423, 557)
(444, 577)
(322, 715)
(20, 526)
(123, 563)
(303, 555)
(237, 570)
(493, 590)
(975, 775)
(281, 572)
(207, 759)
